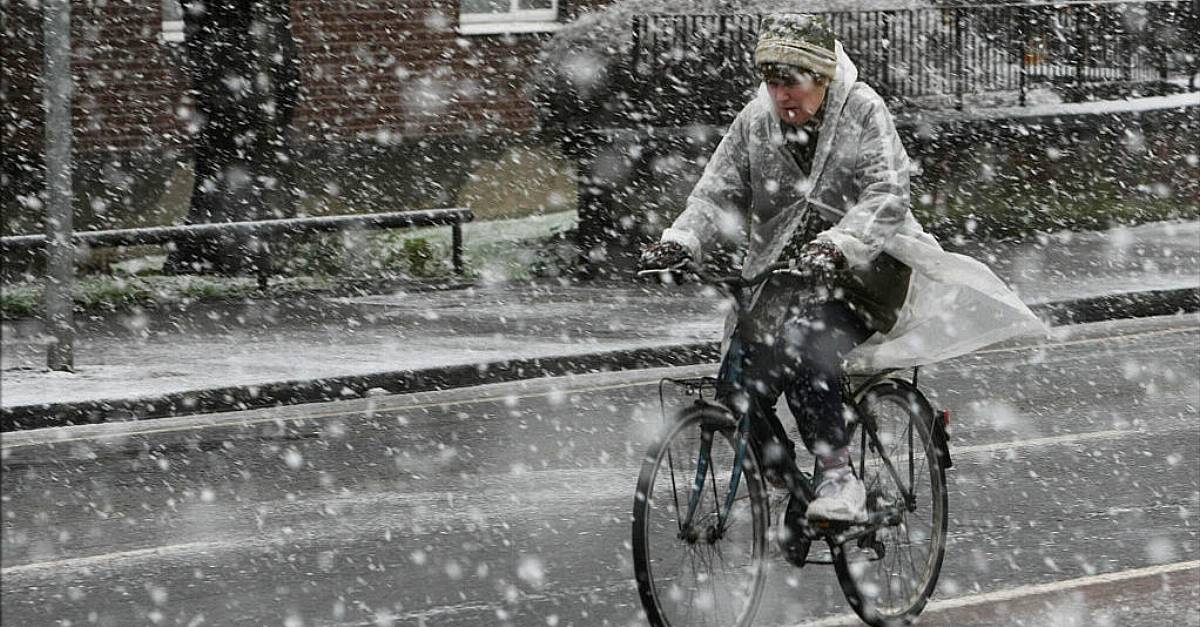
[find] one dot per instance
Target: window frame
(171, 31)
(515, 20)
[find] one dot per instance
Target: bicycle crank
(795, 535)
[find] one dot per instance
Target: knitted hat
(797, 39)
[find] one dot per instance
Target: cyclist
(812, 173)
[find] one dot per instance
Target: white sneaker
(840, 497)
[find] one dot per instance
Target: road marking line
(550, 593)
(1010, 594)
(490, 399)
(246, 423)
(1055, 439)
(93, 560)
(1086, 340)
(629, 471)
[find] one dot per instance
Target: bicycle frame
(805, 490)
(703, 463)
(704, 467)
(739, 288)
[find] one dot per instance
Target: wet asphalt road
(510, 503)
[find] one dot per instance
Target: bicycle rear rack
(692, 386)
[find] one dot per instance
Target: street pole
(60, 250)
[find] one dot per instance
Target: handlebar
(731, 281)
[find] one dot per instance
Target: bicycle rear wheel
(709, 572)
(889, 575)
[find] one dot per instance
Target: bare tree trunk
(242, 62)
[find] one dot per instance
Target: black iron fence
(699, 68)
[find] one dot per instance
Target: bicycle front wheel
(889, 575)
(711, 569)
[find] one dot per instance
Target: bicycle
(701, 514)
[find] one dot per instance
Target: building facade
(376, 72)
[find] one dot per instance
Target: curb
(1117, 306)
(238, 398)
(243, 397)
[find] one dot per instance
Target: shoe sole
(820, 518)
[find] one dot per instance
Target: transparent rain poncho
(860, 183)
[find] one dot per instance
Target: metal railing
(259, 232)
(699, 68)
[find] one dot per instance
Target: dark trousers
(803, 360)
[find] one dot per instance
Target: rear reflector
(945, 417)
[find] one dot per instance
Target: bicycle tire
(892, 597)
(676, 598)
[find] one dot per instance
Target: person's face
(797, 95)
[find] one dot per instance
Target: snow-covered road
(1075, 459)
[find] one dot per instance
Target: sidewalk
(214, 357)
(1051, 110)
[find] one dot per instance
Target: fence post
(1127, 52)
(636, 25)
(262, 261)
(959, 54)
(60, 249)
(1191, 24)
(1165, 69)
(886, 36)
(1081, 43)
(456, 246)
(1024, 40)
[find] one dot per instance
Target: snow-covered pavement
(149, 354)
(1073, 495)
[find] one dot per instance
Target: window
(172, 21)
(507, 16)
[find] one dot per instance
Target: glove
(822, 256)
(819, 261)
(663, 257)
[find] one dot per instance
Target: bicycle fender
(937, 430)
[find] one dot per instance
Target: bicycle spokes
(698, 533)
(890, 567)
(885, 454)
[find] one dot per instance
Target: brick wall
(402, 70)
(377, 68)
(127, 84)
